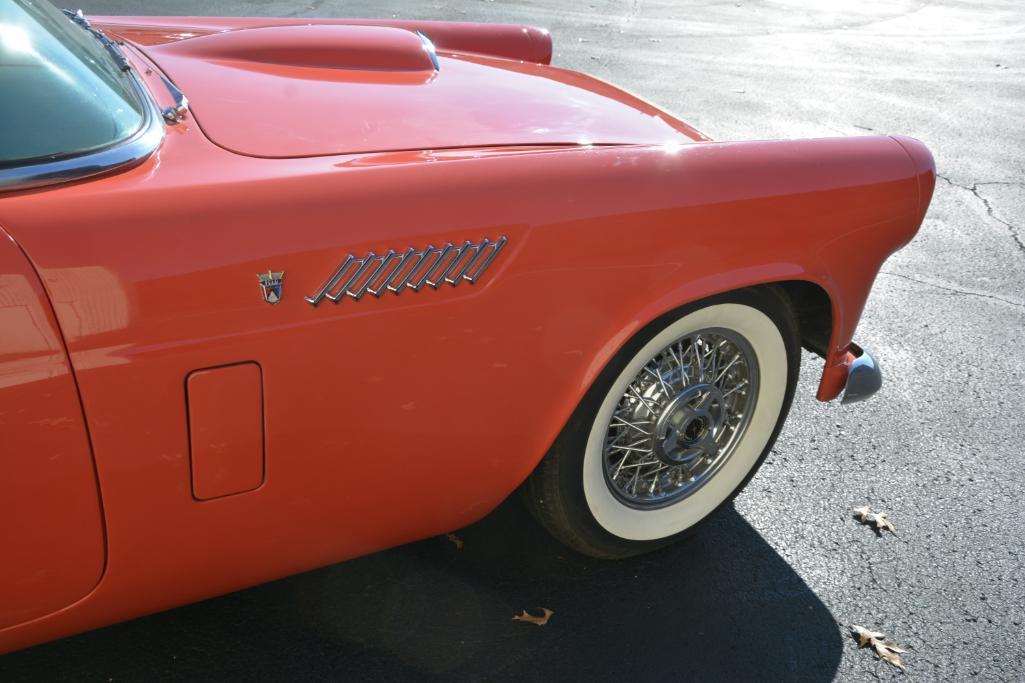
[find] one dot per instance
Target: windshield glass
(61, 92)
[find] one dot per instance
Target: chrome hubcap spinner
(688, 426)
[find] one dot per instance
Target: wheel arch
(810, 299)
(815, 304)
(813, 312)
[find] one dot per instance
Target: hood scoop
(301, 91)
(357, 48)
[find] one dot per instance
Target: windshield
(61, 91)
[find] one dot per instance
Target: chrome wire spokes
(680, 418)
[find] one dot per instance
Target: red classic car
(276, 293)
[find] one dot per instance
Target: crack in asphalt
(955, 290)
(974, 189)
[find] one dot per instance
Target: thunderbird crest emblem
(270, 285)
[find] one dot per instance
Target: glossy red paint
(834, 375)
(504, 41)
(272, 92)
(225, 430)
(839, 356)
(52, 542)
(461, 390)
(330, 48)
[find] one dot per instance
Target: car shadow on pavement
(722, 605)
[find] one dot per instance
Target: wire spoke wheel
(680, 418)
(673, 427)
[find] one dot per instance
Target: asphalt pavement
(768, 590)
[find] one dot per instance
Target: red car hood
(289, 91)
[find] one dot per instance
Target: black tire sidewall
(565, 470)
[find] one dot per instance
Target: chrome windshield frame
(121, 154)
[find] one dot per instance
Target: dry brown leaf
(886, 650)
(879, 520)
(865, 636)
(456, 541)
(883, 522)
(531, 619)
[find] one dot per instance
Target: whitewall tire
(673, 428)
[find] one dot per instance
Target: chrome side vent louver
(394, 272)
